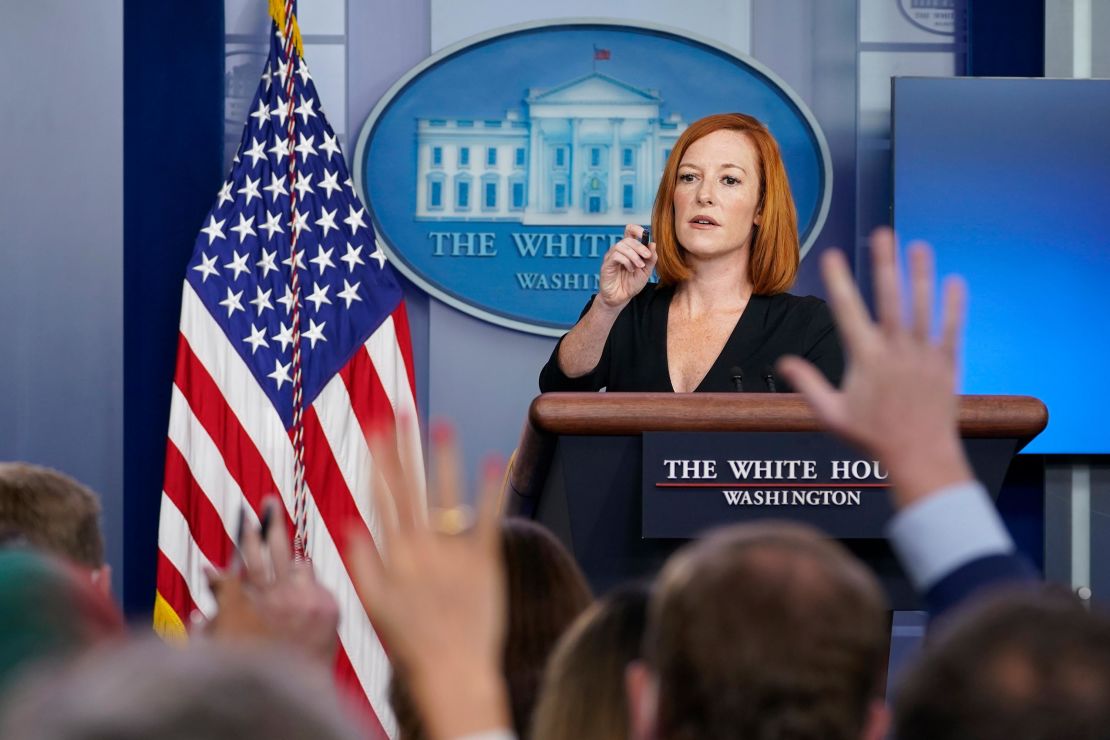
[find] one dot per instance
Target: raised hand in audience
(274, 597)
(434, 588)
(898, 398)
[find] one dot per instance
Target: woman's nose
(705, 193)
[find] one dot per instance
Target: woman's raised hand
(626, 268)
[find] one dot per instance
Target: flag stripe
(174, 543)
(337, 509)
(250, 406)
(367, 658)
(368, 398)
(240, 455)
(173, 589)
(349, 680)
(205, 525)
(341, 428)
(404, 342)
(387, 365)
(206, 464)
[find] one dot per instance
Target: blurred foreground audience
(763, 631)
(53, 512)
(587, 670)
(759, 631)
(151, 690)
(546, 592)
(766, 631)
(49, 613)
(269, 597)
(1017, 666)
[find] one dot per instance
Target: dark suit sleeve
(982, 574)
(823, 344)
(552, 377)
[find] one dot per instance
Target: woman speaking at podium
(726, 250)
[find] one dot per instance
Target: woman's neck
(715, 285)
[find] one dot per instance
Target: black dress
(635, 355)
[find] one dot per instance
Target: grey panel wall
(61, 245)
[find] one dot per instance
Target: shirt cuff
(946, 530)
(502, 734)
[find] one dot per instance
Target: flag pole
(285, 18)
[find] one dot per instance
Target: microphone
(769, 377)
(737, 378)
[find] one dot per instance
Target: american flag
(233, 433)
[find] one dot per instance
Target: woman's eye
(729, 180)
(686, 177)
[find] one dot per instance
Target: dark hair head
(546, 592)
(765, 630)
(773, 262)
(1017, 666)
(52, 511)
(587, 670)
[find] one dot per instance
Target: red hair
(773, 262)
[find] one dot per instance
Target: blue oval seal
(499, 170)
(934, 16)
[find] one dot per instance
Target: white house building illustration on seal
(588, 151)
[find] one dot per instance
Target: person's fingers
(638, 247)
(277, 537)
(412, 460)
(254, 559)
(446, 470)
(952, 316)
(368, 575)
(884, 273)
(489, 494)
(383, 505)
(624, 261)
(639, 253)
(922, 277)
(302, 572)
(633, 231)
(822, 397)
(383, 448)
(215, 580)
(852, 320)
(630, 252)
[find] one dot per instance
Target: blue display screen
(1009, 179)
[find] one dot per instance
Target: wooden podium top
(554, 414)
(631, 413)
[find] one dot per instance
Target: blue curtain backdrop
(173, 151)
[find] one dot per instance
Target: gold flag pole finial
(277, 12)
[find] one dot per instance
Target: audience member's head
(587, 668)
(54, 513)
(48, 612)
(1019, 666)
(546, 592)
(762, 631)
(151, 690)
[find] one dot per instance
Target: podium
(623, 479)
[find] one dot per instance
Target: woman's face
(716, 198)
